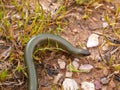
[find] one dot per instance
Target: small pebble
(68, 74)
(86, 68)
(2, 42)
(63, 56)
(105, 47)
(87, 86)
(61, 64)
(75, 30)
(105, 24)
(98, 85)
(102, 19)
(93, 41)
(76, 59)
(70, 84)
(104, 80)
(75, 64)
(98, 58)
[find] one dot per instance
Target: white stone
(61, 64)
(104, 80)
(86, 68)
(93, 41)
(76, 59)
(87, 86)
(105, 24)
(70, 84)
(75, 64)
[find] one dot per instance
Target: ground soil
(77, 31)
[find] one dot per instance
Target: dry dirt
(76, 32)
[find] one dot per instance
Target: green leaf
(111, 59)
(116, 67)
(118, 11)
(3, 75)
(80, 1)
(1, 15)
(85, 16)
(107, 19)
(19, 68)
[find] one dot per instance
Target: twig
(7, 6)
